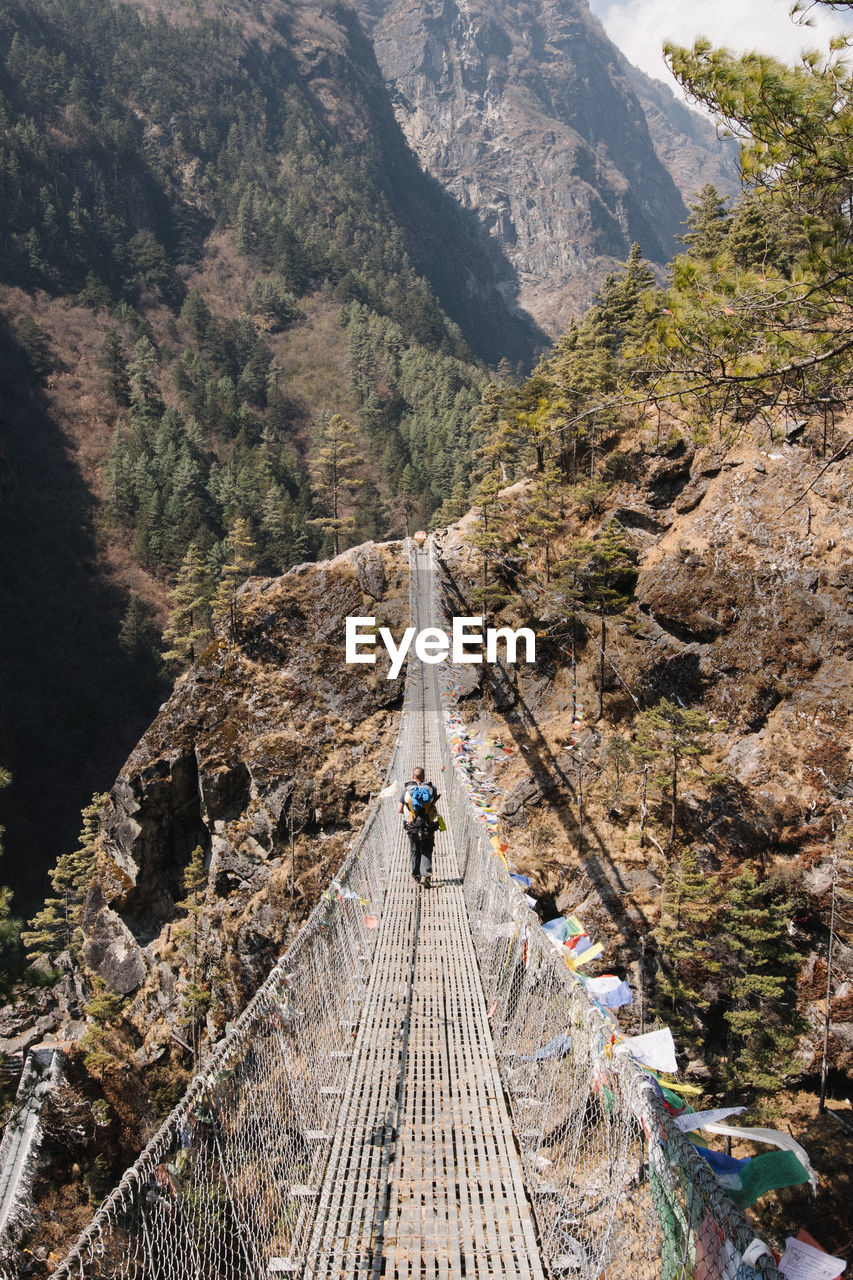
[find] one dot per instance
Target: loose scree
(433, 645)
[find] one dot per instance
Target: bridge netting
(420, 1088)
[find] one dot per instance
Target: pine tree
(490, 537)
(113, 360)
(761, 235)
(57, 926)
(535, 429)
(138, 635)
(764, 962)
(584, 375)
(195, 994)
(333, 477)
(498, 429)
(708, 224)
(241, 560)
(189, 628)
(544, 510)
(686, 941)
(568, 592)
(597, 574)
(146, 402)
(609, 580)
(619, 311)
(454, 506)
(10, 926)
(672, 735)
(103, 1048)
(620, 755)
(10, 942)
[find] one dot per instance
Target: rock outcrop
(267, 748)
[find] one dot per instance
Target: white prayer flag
(656, 1049)
(689, 1120)
(609, 990)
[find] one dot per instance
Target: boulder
(370, 571)
(110, 949)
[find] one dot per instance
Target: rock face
(529, 115)
(743, 609)
(265, 747)
(686, 142)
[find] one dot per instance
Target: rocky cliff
(265, 756)
(531, 117)
(687, 143)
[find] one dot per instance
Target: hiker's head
(418, 774)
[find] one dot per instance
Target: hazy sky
(639, 28)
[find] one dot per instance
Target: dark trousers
(421, 851)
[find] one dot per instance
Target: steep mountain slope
(742, 617)
(137, 127)
(72, 701)
(218, 182)
(687, 143)
(531, 117)
(250, 158)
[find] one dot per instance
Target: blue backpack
(422, 811)
(421, 799)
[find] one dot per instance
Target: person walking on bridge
(417, 802)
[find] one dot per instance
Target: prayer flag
(591, 953)
(610, 991)
(690, 1120)
(655, 1049)
(578, 943)
(775, 1137)
(556, 930)
(762, 1174)
(556, 1048)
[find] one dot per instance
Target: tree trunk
(674, 798)
(580, 811)
(574, 671)
(643, 809)
(601, 671)
(642, 973)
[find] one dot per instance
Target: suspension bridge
(419, 1089)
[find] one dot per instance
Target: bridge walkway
(423, 1178)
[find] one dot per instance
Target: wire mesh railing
(617, 1189)
(228, 1185)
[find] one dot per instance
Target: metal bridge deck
(424, 1179)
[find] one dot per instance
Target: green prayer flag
(767, 1173)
